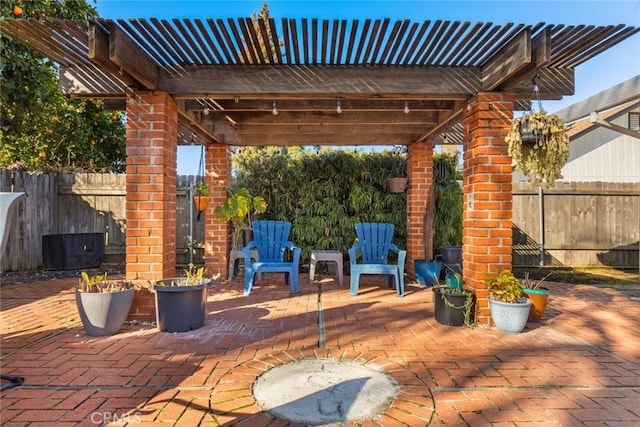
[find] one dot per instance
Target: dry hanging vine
(539, 145)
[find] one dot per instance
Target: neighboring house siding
(599, 154)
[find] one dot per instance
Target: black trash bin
(72, 251)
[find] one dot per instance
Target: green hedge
(325, 192)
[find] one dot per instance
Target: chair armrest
(353, 256)
(402, 257)
(394, 248)
(246, 251)
(296, 251)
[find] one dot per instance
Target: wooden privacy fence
(581, 223)
(84, 203)
(577, 223)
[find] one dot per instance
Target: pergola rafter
(371, 66)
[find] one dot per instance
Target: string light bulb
(338, 107)
(406, 107)
(206, 111)
(274, 111)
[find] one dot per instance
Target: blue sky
(614, 66)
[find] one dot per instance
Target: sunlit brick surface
(579, 366)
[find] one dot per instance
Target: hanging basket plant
(201, 188)
(201, 196)
(539, 145)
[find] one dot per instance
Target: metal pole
(541, 223)
(190, 199)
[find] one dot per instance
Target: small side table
(324, 255)
(238, 254)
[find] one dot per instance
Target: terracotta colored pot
(539, 298)
(201, 202)
(397, 185)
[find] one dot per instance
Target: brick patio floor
(580, 365)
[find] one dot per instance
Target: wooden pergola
(318, 82)
(225, 83)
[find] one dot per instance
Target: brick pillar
(152, 135)
(486, 235)
(420, 169)
(217, 234)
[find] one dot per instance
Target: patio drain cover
(323, 391)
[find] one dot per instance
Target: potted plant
(238, 209)
(103, 304)
(454, 306)
(508, 303)
(539, 295)
(201, 196)
(398, 182)
(539, 145)
(180, 301)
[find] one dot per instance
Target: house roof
(582, 125)
(332, 82)
(615, 96)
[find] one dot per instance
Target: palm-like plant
(238, 209)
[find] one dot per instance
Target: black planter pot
(450, 306)
(247, 236)
(528, 136)
(451, 257)
(180, 308)
(451, 254)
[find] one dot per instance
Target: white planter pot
(510, 318)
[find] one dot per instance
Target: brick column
(420, 170)
(217, 234)
(486, 235)
(152, 135)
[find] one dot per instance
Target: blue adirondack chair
(271, 241)
(374, 244)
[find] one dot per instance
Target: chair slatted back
(270, 238)
(375, 239)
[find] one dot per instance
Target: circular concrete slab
(317, 391)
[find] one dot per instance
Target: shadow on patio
(579, 364)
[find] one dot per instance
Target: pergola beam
(99, 55)
(127, 55)
(331, 118)
(329, 139)
(300, 81)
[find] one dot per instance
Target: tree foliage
(268, 46)
(40, 129)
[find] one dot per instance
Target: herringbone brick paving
(579, 366)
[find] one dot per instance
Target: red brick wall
(152, 135)
(420, 170)
(486, 241)
(218, 176)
